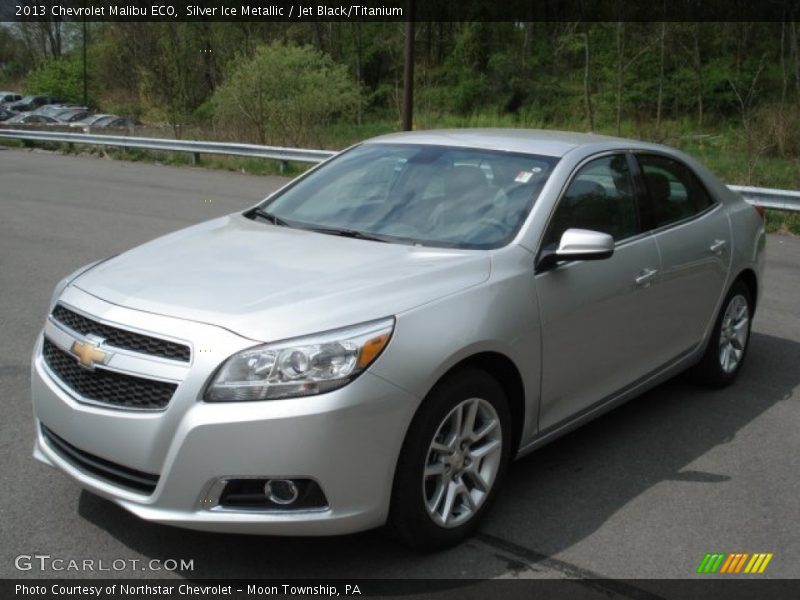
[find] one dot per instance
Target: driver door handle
(717, 246)
(645, 276)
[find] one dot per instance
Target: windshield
(422, 194)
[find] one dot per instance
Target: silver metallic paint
(584, 337)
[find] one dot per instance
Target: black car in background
(29, 103)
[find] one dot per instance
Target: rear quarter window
(674, 191)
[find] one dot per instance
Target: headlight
(302, 366)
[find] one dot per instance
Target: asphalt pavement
(641, 493)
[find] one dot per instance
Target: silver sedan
(376, 341)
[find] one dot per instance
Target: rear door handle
(717, 246)
(645, 276)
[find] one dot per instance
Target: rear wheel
(729, 340)
(453, 459)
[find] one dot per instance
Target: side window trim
(643, 202)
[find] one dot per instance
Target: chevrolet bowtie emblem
(89, 353)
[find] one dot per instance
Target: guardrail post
(283, 165)
(195, 158)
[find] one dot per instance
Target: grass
(783, 222)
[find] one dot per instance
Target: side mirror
(577, 244)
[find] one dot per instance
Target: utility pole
(408, 71)
(85, 94)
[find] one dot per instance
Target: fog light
(281, 491)
(266, 493)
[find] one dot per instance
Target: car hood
(267, 282)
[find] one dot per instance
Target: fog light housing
(266, 493)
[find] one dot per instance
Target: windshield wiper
(355, 234)
(343, 232)
(267, 216)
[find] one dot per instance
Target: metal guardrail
(769, 198)
(191, 146)
(775, 199)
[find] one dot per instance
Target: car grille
(112, 472)
(121, 338)
(107, 387)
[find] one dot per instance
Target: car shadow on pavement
(551, 499)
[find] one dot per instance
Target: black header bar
(398, 10)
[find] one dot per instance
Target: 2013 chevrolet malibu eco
(375, 342)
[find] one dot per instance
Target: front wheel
(453, 459)
(729, 340)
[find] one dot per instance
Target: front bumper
(347, 441)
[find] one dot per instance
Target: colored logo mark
(735, 562)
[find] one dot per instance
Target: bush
(776, 130)
(284, 94)
(60, 77)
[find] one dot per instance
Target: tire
(729, 341)
(434, 472)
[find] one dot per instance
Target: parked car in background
(30, 103)
(103, 120)
(114, 122)
(377, 340)
(31, 119)
(51, 110)
(6, 114)
(90, 120)
(70, 115)
(9, 97)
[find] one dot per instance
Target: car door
(693, 235)
(595, 315)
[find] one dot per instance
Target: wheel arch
(505, 372)
(750, 279)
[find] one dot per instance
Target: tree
(745, 97)
(587, 90)
(176, 77)
(14, 60)
(661, 47)
(60, 77)
(284, 93)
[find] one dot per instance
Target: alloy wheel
(462, 462)
(733, 333)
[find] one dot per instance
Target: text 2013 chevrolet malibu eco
(374, 342)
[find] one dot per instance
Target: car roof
(531, 141)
